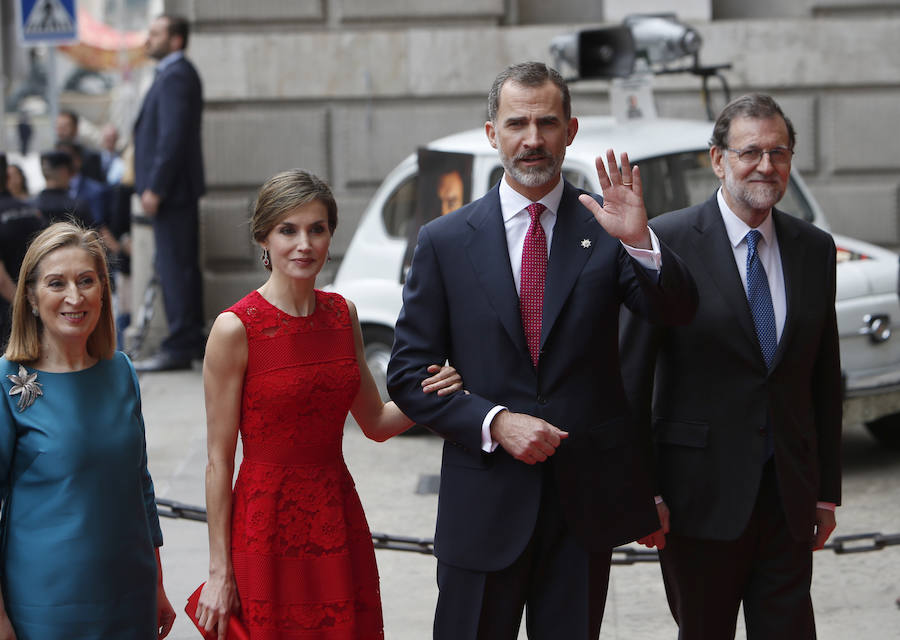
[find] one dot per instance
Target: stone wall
(348, 88)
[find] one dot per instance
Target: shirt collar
(169, 60)
(512, 202)
(737, 228)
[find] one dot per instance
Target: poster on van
(444, 184)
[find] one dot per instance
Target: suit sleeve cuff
(650, 259)
(487, 444)
(830, 506)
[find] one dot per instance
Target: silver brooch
(585, 244)
(26, 386)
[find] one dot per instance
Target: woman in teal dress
(79, 533)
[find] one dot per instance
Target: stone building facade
(347, 88)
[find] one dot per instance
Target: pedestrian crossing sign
(47, 22)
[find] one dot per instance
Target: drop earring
(265, 258)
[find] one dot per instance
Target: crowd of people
(707, 425)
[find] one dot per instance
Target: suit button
(541, 400)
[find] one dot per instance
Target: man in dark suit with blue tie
(520, 290)
(746, 399)
(169, 177)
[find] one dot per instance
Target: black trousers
(176, 233)
(561, 587)
(765, 568)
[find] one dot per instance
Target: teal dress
(79, 522)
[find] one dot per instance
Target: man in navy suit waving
(168, 172)
(520, 290)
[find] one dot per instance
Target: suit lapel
(792, 253)
(489, 255)
(574, 224)
(711, 243)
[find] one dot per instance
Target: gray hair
(752, 105)
(528, 74)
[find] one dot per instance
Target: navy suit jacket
(711, 394)
(460, 304)
(168, 156)
(96, 194)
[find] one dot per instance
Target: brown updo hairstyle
(25, 337)
(284, 192)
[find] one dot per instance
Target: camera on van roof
(614, 52)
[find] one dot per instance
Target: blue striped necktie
(760, 299)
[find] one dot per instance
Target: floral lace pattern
(301, 547)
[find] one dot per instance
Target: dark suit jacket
(95, 193)
(460, 303)
(168, 157)
(92, 165)
(58, 206)
(712, 393)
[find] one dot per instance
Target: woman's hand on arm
(380, 421)
(445, 380)
(223, 380)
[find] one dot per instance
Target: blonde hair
(25, 337)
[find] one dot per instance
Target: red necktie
(531, 288)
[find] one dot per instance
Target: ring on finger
(627, 184)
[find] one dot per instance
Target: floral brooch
(26, 386)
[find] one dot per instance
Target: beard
(531, 176)
(758, 196)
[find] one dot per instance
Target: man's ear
(717, 158)
(571, 130)
(491, 133)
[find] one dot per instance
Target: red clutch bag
(236, 628)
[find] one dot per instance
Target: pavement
(853, 594)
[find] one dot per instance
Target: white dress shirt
(516, 220)
(770, 257)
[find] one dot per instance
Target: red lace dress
(302, 552)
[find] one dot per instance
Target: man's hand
(149, 202)
(623, 214)
(525, 437)
(658, 538)
(825, 524)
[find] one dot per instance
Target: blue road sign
(47, 22)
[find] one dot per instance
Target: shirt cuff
(487, 444)
(648, 258)
(658, 499)
(830, 506)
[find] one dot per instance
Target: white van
(674, 160)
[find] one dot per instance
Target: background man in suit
(746, 399)
(67, 123)
(82, 187)
(541, 474)
(168, 166)
(54, 201)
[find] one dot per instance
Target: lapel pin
(585, 244)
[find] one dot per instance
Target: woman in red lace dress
(289, 547)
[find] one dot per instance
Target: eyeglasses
(779, 156)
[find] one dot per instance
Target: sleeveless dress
(300, 545)
(79, 522)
